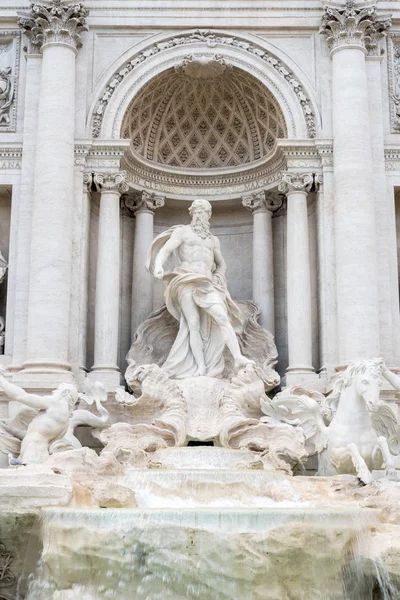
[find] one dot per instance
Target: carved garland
(394, 81)
(211, 39)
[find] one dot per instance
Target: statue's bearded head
(200, 211)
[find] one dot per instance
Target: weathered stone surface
(27, 489)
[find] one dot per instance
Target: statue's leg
(359, 463)
(220, 316)
(388, 458)
(192, 316)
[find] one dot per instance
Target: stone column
(348, 30)
(56, 28)
(142, 281)
(105, 368)
(80, 269)
(383, 208)
(296, 186)
(262, 206)
(32, 87)
(328, 342)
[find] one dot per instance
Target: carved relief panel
(394, 81)
(9, 75)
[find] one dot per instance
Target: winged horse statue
(351, 430)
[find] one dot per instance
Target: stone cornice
(187, 185)
(353, 25)
(100, 154)
(54, 21)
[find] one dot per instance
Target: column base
(43, 375)
(301, 374)
(110, 377)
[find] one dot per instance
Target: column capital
(262, 202)
(318, 181)
(111, 182)
(87, 181)
(54, 22)
(353, 25)
(145, 202)
(296, 182)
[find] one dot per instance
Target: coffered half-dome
(203, 115)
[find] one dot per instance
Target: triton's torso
(196, 253)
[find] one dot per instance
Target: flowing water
(208, 554)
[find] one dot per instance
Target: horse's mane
(371, 366)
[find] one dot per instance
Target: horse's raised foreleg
(363, 473)
(388, 458)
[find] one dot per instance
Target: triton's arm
(16, 393)
(173, 243)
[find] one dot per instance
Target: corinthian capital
(145, 202)
(111, 182)
(54, 22)
(353, 25)
(296, 182)
(262, 201)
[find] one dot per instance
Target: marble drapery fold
(206, 292)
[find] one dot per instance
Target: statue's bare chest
(192, 239)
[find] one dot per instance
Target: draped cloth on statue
(206, 291)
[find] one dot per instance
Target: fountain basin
(226, 554)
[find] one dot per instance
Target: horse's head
(365, 376)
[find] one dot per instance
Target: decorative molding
(10, 158)
(54, 23)
(81, 154)
(204, 36)
(299, 156)
(181, 184)
(10, 44)
(263, 202)
(394, 81)
(148, 202)
(325, 151)
(203, 67)
(392, 159)
(296, 182)
(106, 156)
(111, 182)
(353, 25)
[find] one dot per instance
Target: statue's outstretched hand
(159, 272)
